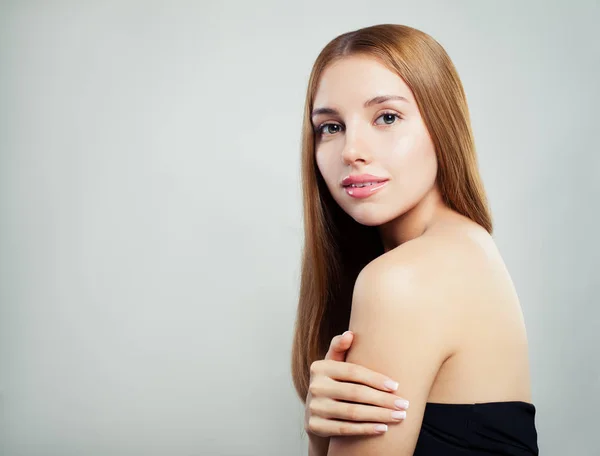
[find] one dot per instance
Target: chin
(369, 219)
(369, 223)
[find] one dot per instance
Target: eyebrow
(373, 101)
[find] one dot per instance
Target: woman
(399, 250)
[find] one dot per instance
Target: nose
(354, 149)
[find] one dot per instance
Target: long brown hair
(336, 246)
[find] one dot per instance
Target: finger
(339, 346)
(357, 393)
(332, 409)
(327, 428)
(356, 373)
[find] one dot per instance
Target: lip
(365, 192)
(362, 178)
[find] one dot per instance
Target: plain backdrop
(151, 219)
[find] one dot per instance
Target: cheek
(404, 148)
(325, 164)
(321, 165)
(326, 169)
(413, 161)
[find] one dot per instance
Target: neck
(414, 222)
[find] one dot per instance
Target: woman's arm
(332, 382)
(398, 315)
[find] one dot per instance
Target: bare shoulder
(425, 280)
(446, 258)
(451, 254)
(455, 269)
(452, 284)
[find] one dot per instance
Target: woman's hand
(326, 412)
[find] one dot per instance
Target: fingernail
(390, 384)
(381, 427)
(401, 403)
(345, 332)
(399, 415)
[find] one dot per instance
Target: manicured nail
(401, 403)
(391, 384)
(381, 428)
(399, 415)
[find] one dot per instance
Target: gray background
(151, 212)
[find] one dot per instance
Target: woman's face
(386, 138)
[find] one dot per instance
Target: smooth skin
(333, 380)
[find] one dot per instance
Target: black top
(502, 428)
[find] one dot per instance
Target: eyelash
(319, 129)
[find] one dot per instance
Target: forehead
(356, 78)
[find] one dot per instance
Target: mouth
(364, 184)
(365, 189)
(359, 180)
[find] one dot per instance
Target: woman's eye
(389, 115)
(322, 127)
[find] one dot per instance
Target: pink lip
(365, 192)
(362, 178)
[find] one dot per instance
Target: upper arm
(398, 321)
